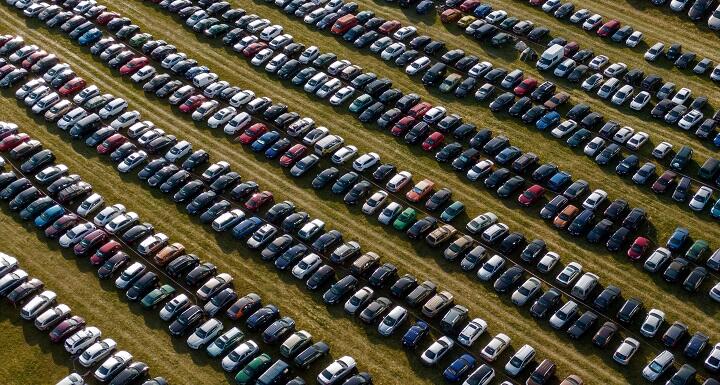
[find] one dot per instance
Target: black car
(24, 291)
(496, 178)
(159, 177)
(261, 318)
(618, 239)
(200, 273)
(616, 210)
(290, 256)
(182, 264)
(676, 270)
(403, 286)
(278, 246)
(278, 330)
(533, 250)
(520, 107)
(37, 161)
(417, 133)
(178, 179)
(448, 152)
(142, 286)
(186, 321)
(383, 275)
(496, 144)
(608, 296)
(244, 190)
(511, 242)
(676, 332)
(201, 202)
(357, 193)
(543, 92)
(137, 233)
(343, 184)
(327, 240)
(508, 279)
(552, 208)
(215, 211)
(321, 276)
(634, 219)
(449, 123)
(152, 167)
(225, 181)
(511, 186)
(600, 231)
(463, 131)
(189, 191)
(113, 264)
(311, 354)
(580, 224)
(24, 198)
(279, 211)
(196, 159)
(629, 309)
(339, 290)
(697, 344)
(582, 325)
(421, 228)
(502, 102)
(546, 303)
(466, 159)
(375, 310)
(533, 114)
(294, 221)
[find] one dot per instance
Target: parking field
(33, 357)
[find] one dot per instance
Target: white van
(520, 360)
(551, 57)
(584, 286)
(328, 144)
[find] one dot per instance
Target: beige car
(459, 247)
(440, 235)
(437, 304)
(168, 253)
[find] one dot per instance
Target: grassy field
(143, 335)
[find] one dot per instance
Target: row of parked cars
(40, 306)
(696, 10)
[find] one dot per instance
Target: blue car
(415, 334)
(90, 37)
(508, 155)
(49, 216)
(716, 141)
(424, 7)
(559, 180)
(482, 10)
(677, 239)
(459, 368)
(264, 141)
(715, 210)
(548, 121)
(245, 228)
(278, 148)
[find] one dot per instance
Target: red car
(192, 103)
(293, 155)
(537, 2)
(6, 69)
(251, 133)
(106, 17)
(134, 65)
(110, 144)
(637, 250)
(450, 15)
(66, 328)
(72, 86)
(61, 225)
(419, 110)
(32, 59)
(389, 27)
(258, 200)
(526, 87)
(469, 5)
(571, 48)
(433, 141)
(90, 242)
(531, 195)
(608, 28)
(13, 141)
(401, 127)
(104, 252)
(254, 48)
(6, 38)
(7, 131)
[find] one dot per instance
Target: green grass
(142, 335)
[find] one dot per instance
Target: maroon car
(258, 200)
(66, 328)
(90, 242)
(60, 226)
(104, 252)
(664, 181)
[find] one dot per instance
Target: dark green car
(359, 104)
(216, 30)
(405, 220)
(697, 250)
(156, 296)
(578, 137)
(450, 213)
(97, 102)
(139, 39)
(258, 365)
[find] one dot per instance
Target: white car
(380, 44)
(306, 266)
(398, 181)
(315, 82)
(564, 315)
(122, 222)
(338, 66)
(310, 54)
(623, 134)
(374, 202)
(434, 115)
(133, 160)
(82, 340)
(245, 42)
(598, 62)
(179, 150)
(28, 87)
(480, 69)
(214, 89)
(143, 74)
(97, 352)
(361, 297)
(113, 108)
(262, 57)
(151, 242)
(342, 95)
(405, 33)
(659, 365)
(640, 100)
(366, 161)
(339, 369)
(701, 198)
(280, 41)
(653, 322)
(690, 120)
(480, 169)
(72, 379)
(389, 213)
(564, 68)
(592, 82)
(637, 140)
(343, 154)
(491, 268)
(204, 79)
(328, 88)
(526, 291)
(622, 95)
(174, 306)
(592, 22)
(654, 52)
(437, 350)
(45, 103)
(113, 365)
(569, 274)
(237, 123)
(205, 333)
(257, 26)
(678, 5)
(205, 109)
(494, 232)
(418, 65)
(213, 284)
(614, 70)
(37, 305)
(108, 214)
(471, 332)
(172, 59)
(594, 146)
(392, 51)
(714, 20)
(392, 321)
(222, 117)
(240, 354)
(682, 96)
(495, 347)
(90, 204)
(662, 150)
(51, 316)
(520, 360)
(548, 262)
(125, 120)
(495, 17)
(150, 135)
(712, 361)
(50, 173)
(242, 98)
(657, 259)
(74, 235)
(634, 39)
(626, 351)
(228, 219)
(564, 129)
(271, 32)
(314, 135)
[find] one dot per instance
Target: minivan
(682, 158)
(520, 360)
(315, 82)
(542, 373)
(275, 374)
(585, 286)
(512, 79)
(85, 125)
(434, 74)
(709, 169)
(658, 366)
(328, 144)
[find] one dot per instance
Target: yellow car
(465, 21)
